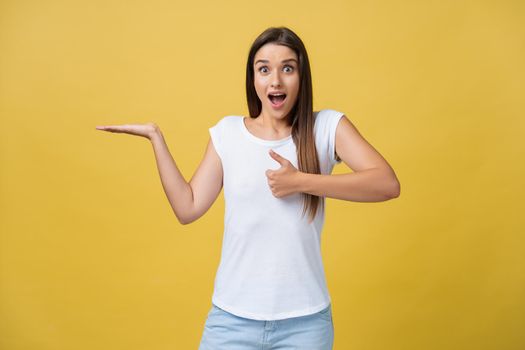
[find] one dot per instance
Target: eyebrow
(266, 61)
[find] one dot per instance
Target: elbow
(390, 185)
(183, 220)
(395, 190)
(186, 221)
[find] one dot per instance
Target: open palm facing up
(145, 130)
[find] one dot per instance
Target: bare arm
(373, 179)
(189, 201)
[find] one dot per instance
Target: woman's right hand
(147, 130)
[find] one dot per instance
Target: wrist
(302, 181)
(155, 133)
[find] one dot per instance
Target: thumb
(277, 157)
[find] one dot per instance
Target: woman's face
(276, 70)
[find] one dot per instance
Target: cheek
(260, 92)
(293, 83)
(295, 94)
(294, 87)
(259, 85)
(260, 89)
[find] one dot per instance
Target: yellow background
(91, 255)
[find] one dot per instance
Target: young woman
(270, 290)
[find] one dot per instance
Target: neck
(276, 123)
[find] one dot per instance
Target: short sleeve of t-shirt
(335, 117)
(216, 137)
(326, 126)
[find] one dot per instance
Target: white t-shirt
(271, 266)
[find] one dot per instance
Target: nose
(276, 80)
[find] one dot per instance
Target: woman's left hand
(283, 181)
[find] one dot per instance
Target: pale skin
(372, 179)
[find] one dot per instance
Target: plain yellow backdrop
(91, 255)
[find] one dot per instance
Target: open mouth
(277, 99)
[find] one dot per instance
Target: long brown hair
(301, 116)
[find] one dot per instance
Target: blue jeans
(225, 331)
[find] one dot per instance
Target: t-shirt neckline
(262, 141)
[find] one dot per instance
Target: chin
(280, 113)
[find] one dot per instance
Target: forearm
(176, 188)
(371, 185)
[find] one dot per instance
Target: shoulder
(328, 113)
(228, 120)
(326, 126)
(327, 118)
